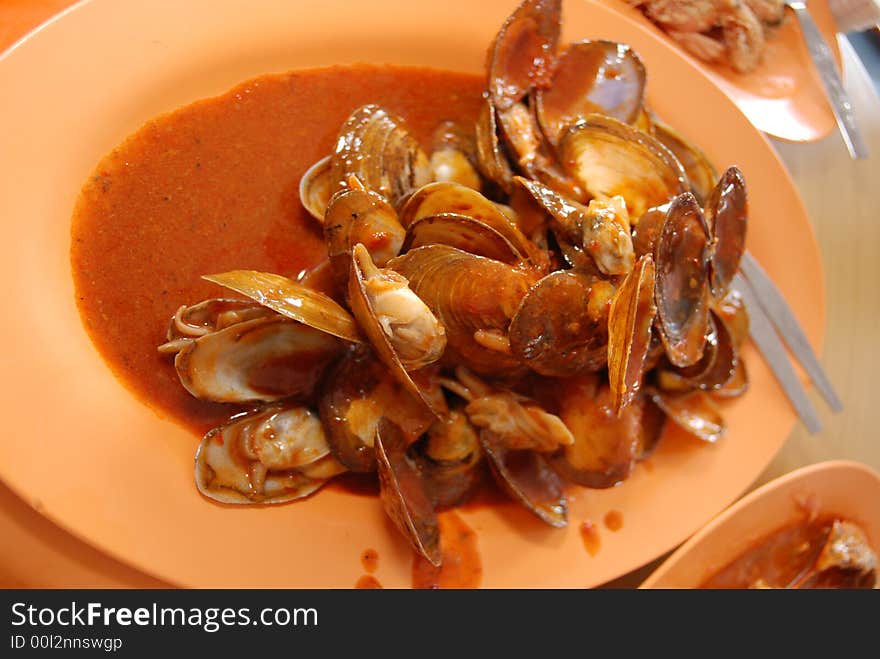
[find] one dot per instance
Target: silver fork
(771, 318)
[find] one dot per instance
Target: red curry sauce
(212, 187)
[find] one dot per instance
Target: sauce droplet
(648, 465)
(461, 567)
(368, 582)
(590, 536)
(370, 560)
(614, 520)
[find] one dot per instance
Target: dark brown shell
(360, 216)
(468, 294)
(646, 233)
(403, 493)
(527, 478)
(523, 50)
(603, 77)
(557, 329)
(450, 459)
(605, 444)
(727, 214)
(491, 159)
(694, 412)
(682, 286)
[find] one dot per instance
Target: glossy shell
(291, 299)
(611, 158)
(316, 187)
(403, 493)
(523, 51)
(376, 146)
(528, 479)
(591, 77)
(701, 175)
(682, 288)
(467, 294)
(401, 328)
(360, 216)
(727, 212)
(560, 325)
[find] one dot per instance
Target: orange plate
(97, 461)
(784, 95)
(839, 487)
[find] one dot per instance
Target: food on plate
(729, 31)
(523, 294)
(826, 552)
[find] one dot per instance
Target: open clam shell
(715, 369)
(403, 493)
(402, 328)
(450, 459)
(293, 300)
(276, 455)
(609, 158)
(263, 359)
(523, 51)
(454, 155)
(695, 412)
(682, 286)
(603, 77)
(491, 159)
(527, 478)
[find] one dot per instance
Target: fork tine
(771, 348)
(775, 306)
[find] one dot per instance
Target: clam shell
(682, 287)
(316, 187)
(403, 494)
(727, 212)
(603, 77)
(629, 332)
(292, 300)
(264, 359)
(467, 293)
(227, 470)
(528, 479)
(376, 146)
(611, 158)
(523, 51)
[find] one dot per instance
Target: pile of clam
(532, 300)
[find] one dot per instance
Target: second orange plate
(79, 447)
(784, 96)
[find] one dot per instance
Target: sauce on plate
(213, 187)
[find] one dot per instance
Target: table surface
(840, 195)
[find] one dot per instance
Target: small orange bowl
(841, 488)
